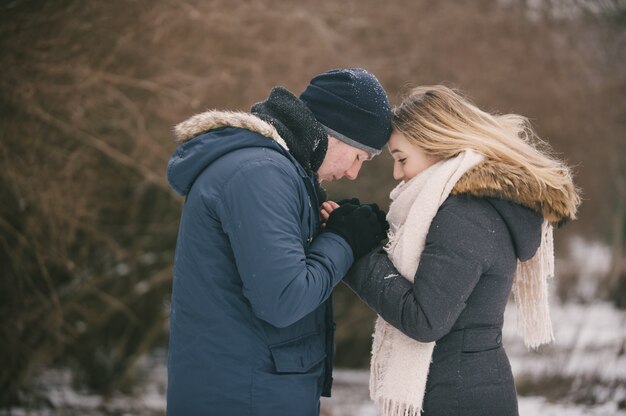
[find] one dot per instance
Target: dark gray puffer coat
(492, 218)
(458, 299)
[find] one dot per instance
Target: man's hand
(327, 208)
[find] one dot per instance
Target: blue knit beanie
(352, 106)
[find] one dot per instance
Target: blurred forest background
(90, 90)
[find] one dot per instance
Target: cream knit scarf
(399, 366)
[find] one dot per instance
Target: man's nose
(353, 172)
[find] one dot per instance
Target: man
(251, 329)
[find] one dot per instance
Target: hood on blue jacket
(206, 137)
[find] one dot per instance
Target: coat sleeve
(451, 264)
(261, 215)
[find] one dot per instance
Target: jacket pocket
(298, 355)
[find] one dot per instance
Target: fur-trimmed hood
(499, 180)
(196, 150)
(282, 117)
(212, 120)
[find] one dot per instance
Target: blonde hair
(443, 123)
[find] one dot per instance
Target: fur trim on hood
(281, 117)
(499, 180)
(211, 120)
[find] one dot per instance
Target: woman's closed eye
(402, 160)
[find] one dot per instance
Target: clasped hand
(363, 226)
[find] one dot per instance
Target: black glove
(359, 226)
(381, 215)
(351, 201)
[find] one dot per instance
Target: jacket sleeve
(453, 259)
(261, 215)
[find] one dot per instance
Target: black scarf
(305, 136)
(297, 125)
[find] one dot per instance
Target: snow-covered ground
(582, 373)
(351, 397)
(590, 347)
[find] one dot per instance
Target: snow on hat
(352, 106)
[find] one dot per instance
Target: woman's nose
(397, 172)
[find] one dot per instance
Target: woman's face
(408, 159)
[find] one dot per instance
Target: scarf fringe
(391, 407)
(530, 288)
(380, 357)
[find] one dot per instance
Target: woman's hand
(327, 208)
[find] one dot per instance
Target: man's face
(341, 160)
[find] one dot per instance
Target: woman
(470, 221)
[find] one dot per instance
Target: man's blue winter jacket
(251, 316)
